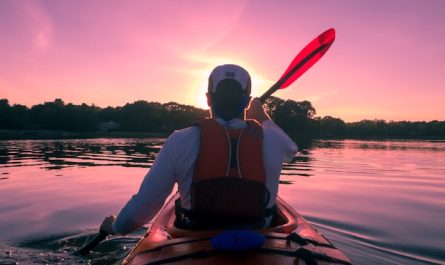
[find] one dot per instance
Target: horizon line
(102, 107)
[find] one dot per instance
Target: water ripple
(382, 202)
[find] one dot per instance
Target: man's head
(229, 91)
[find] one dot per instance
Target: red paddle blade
(308, 57)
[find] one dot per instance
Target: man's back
(277, 147)
(175, 164)
(230, 103)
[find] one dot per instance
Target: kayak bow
(290, 240)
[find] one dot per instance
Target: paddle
(303, 61)
(93, 243)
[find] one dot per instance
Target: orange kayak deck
(291, 240)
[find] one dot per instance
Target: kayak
(290, 240)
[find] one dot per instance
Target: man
(226, 168)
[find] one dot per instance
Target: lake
(381, 202)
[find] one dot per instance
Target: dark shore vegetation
(152, 119)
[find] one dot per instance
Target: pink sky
(388, 61)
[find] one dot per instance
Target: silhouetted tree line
(296, 118)
(139, 116)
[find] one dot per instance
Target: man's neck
(240, 117)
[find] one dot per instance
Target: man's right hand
(256, 111)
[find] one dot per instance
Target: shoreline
(6, 135)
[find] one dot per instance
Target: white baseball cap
(229, 71)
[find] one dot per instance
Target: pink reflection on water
(385, 193)
(42, 202)
(385, 196)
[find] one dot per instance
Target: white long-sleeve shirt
(175, 164)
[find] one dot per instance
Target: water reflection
(60, 249)
(401, 145)
(59, 154)
(382, 202)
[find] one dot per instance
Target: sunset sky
(388, 60)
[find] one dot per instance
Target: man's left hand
(107, 224)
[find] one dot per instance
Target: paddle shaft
(93, 243)
(280, 82)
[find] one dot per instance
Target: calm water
(382, 202)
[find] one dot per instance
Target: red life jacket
(229, 183)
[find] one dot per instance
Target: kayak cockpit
(289, 238)
(284, 220)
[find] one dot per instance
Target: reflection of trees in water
(300, 165)
(393, 145)
(4, 158)
(81, 153)
(3, 175)
(328, 144)
(58, 154)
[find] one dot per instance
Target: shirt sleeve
(157, 185)
(290, 148)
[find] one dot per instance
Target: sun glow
(201, 97)
(198, 89)
(259, 85)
